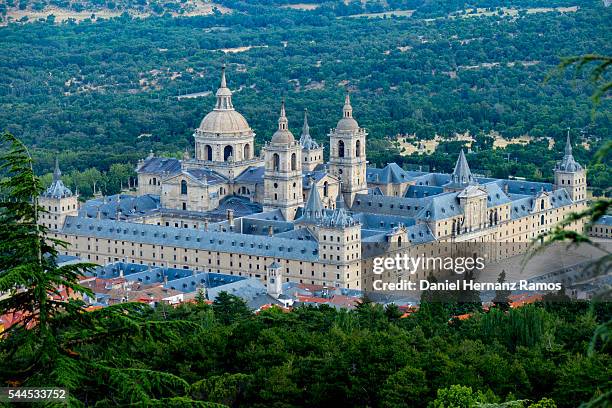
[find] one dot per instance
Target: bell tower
(347, 157)
(570, 175)
(283, 171)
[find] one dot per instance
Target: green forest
(105, 92)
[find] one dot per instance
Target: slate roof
(128, 205)
(523, 187)
(192, 238)
(252, 175)
(206, 175)
(440, 207)
(390, 174)
(605, 220)
(388, 205)
(432, 179)
(381, 222)
(422, 191)
(160, 165)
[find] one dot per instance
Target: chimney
(205, 224)
(270, 230)
(230, 218)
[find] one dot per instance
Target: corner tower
(570, 175)
(347, 157)
(58, 202)
(283, 171)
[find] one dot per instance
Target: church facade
(288, 215)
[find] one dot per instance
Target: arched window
(183, 187)
(275, 162)
(293, 162)
(542, 219)
(340, 148)
(399, 242)
(209, 156)
(227, 152)
(358, 148)
(541, 204)
(325, 189)
(154, 181)
(247, 151)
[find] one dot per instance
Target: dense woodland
(104, 92)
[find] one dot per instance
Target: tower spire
(305, 127)
(568, 144)
(223, 81)
(282, 119)
(57, 173)
(347, 110)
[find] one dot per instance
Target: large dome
(347, 124)
(224, 121)
(282, 136)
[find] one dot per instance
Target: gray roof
(242, 206)
(390, 174)
(495, 195)
(160, 166)
(381, 222)
(523, 187)
(252, 175)
(422, 191)
(206, 175)
(57, 189)
(193, 238)
(316, 176)
(388, 205)
(126, 205)
(432, 179)
(251, 290)
(440, 207)
(605, 220)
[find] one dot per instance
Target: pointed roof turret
(57, 189)
(462, 175)
(305, 140)
(283, 134)
(314, 206)
(568, 164)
